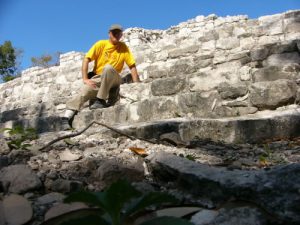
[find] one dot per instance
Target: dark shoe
(99, 104)
(91, 102)
(114, 96)
(65, 124)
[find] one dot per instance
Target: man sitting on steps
(109, 57)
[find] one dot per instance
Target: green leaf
(84, 196)
(165, 220)
(152, 198)
(25, 146)
(88, 220)
(68, 141)
(115, 197)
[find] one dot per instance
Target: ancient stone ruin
(215, 87)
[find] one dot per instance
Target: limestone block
(199, 62)
(265, 40)
(227, 90)
(219, 21)
(182, 67)
(163, 56)
(272, 24)
(239, 55)
(153, 109)
(292, 22)
(259, 54)
(209, 25)
(220, 57)
(245, 73)
(247, 43)
(241, 32)
(136, 91)
(225, 31)
(284, 47)
(208, 36)
(184, 32)
(209, 45)
(292, 36)
(185, 51)
(167, 86)
(228, 43)
(282, 59)
(272, 94)
(271, 73)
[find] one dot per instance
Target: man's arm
(84, 70)
(134, 73)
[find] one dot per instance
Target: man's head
(115, 33)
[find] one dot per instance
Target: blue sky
(47, 26)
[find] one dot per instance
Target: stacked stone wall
(205, 67)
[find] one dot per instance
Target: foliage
(268, 157)
(19, 137)
(46, 60)
(121, 204)
(8, 57)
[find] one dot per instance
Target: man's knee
(108, 69)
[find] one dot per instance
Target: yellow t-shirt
(103, 52)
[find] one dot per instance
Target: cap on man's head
(116, 27)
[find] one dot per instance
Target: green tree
(8, 61)
(46, 60)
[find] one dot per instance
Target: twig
(87, 127)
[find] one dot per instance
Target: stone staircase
(226, 79)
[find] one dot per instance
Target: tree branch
(87, 127)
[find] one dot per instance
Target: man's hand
(86, 80)
(90, 82)
(134, 73)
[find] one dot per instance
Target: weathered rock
(259, 54)
(270, 95)
(3, 161)
(67, 155)
(204, 217)
(2, 218)
(271, 73)
(64, 208)
(50, 198)
(65, 186)
(3, 146)
(167, 86)
(276, 190)
(229, 216)
(17, 210)
(111, 171)
(181, 52)
(19, 179)
(232, 91)
(282, 59)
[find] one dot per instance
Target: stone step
(244, 129)
(253, 128)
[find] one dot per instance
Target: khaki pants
(108, 84)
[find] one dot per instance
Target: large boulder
(19, 179)
(273, 94)
(275, 190)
